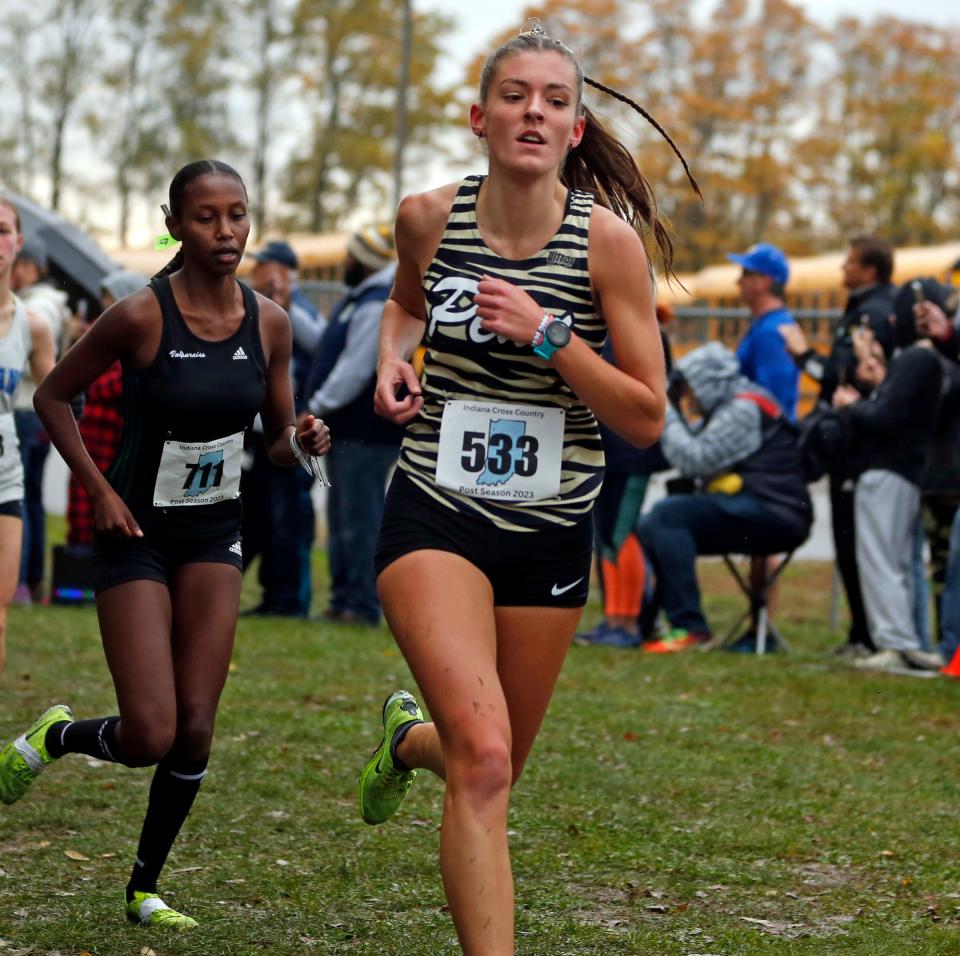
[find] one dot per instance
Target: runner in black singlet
(512, 282)
(201, 356)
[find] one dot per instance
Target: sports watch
(556, 335)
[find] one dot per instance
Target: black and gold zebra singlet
(466, 367)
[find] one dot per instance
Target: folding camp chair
(756, 588)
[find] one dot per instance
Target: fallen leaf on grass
(282, 862)
(147, 951)
(75, 855)
(774, 927)
(630, 735)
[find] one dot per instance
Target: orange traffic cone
(953, 668)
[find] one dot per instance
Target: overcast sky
(478, 22)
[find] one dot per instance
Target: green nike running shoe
(382, 785)
(148, 909)
(23, 759)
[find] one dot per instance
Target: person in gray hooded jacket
(748, 495)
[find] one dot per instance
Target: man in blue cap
(278, 522)
(762, 353)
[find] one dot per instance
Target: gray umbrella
(73, 256)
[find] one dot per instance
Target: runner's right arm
(130, 329)
(421, 219)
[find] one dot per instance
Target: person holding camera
(891, 432)
(867, 271)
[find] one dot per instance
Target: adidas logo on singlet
(236, 547)
(239, 354)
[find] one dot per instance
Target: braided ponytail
(172, 266)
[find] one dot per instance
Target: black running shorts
(12, 509)
(545, 568)
(152, 558)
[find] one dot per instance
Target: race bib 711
(199, 473)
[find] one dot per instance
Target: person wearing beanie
(341, 382)
(369, 249)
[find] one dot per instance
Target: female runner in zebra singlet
(201, 356)
(512, 281)
(24, 339)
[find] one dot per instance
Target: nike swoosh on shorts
(556, 590)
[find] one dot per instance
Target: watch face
(558, 334)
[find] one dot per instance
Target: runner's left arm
(277, 414)
(631, 397)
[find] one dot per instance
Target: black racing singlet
(185, 410)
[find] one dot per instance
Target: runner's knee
(479, 765)
(194, 736)
(145, 742)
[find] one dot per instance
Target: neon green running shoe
(382, 785)
(23, 759)
(148, 909)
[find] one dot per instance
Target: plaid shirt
(101, 427)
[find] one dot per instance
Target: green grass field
(694, 804)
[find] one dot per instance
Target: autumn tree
(48, 58)
(20, 149)
(131, 136)
(886, 158)
(269, 42)
(191, 76)
(348, 55)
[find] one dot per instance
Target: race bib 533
(503, 451)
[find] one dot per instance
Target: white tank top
(15, 348)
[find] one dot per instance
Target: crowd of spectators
(884, 431)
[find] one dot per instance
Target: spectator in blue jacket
(762, 353)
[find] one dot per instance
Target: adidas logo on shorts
(236, 547)
(239, 354)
